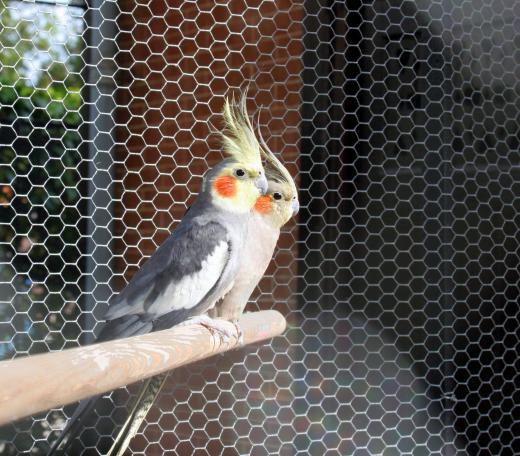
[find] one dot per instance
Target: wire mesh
(399, 279)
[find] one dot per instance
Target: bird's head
(280, 203)
(237, 182)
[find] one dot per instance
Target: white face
(278, 205)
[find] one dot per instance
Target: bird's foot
(216, 327)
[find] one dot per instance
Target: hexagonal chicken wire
(399, 278)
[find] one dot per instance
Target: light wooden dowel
(36, 383)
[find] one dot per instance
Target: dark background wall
(411, 112)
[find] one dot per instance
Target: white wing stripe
(189, 291)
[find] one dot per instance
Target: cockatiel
(197, 265)
(270, 213)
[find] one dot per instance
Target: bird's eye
(239, 172)
(277, 195)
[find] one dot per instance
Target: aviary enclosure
(400, 277)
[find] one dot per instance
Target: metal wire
(399, 278)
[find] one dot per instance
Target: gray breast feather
(189, 262)
(261, 240)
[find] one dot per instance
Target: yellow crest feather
(239, 137)
(277, 171)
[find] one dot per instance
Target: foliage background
(42, 183)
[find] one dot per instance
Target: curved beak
(295, 206)
(261, 184)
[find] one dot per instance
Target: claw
(215, 327)
(239, 332)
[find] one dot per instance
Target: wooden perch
(36, 383)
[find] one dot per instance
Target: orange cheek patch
(225, 186)
(263, 204)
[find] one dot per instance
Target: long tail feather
(75, 424)
(149, 392)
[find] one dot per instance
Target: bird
(198, 262)
(270, 213)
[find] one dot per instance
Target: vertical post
(99, 72)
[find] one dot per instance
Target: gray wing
(174, 282)
(169, 288)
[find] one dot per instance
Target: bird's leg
(215, 326)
